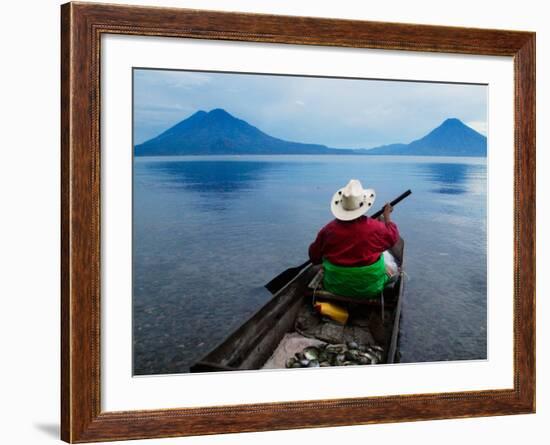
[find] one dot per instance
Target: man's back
(359, 242)
(350, 247)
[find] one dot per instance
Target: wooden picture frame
(82, 26)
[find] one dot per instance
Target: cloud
(479, 126)
(171, 79)
(340, 112)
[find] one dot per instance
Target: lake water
(209, 232)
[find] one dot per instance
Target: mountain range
(219, 133)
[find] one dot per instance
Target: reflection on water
(208, 176)
(450, 179)
(209, 233)
(217, 182)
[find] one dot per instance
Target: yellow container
(333, 311)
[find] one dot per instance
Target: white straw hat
(352, 201)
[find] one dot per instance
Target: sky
(339, 113)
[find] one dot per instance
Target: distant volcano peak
(222, 116)
(451, 138)
(454, 127)
(452, 121)
(218, 132)
(219, 112)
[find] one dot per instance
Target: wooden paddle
(284, 277)
(397, 200)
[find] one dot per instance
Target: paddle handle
(397, 200)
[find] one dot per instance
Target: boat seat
(315, 289)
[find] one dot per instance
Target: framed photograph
(274, 222)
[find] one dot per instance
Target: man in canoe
(351, 247)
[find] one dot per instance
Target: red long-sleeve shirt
(353, 243)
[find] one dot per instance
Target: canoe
(251, 345)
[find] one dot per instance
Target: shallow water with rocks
(209, 232)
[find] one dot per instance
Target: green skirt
(355, 282)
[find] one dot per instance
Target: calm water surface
(209, 232)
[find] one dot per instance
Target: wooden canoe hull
(251, 345)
